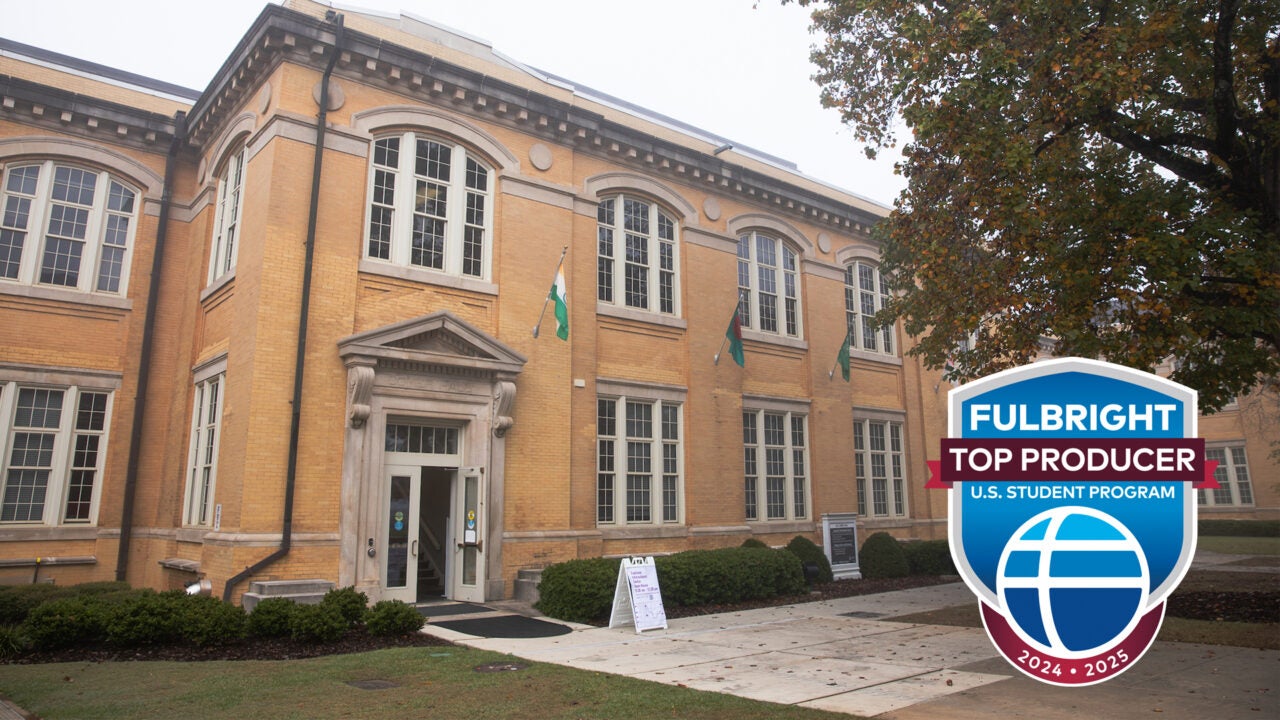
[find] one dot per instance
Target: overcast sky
(736, 68)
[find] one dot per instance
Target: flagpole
(547, 299)
(831, 375)
(736, 307)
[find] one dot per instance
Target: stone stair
(304, 592)
(526, 589)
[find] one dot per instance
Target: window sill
(43, 292)
(875, 357)
(638, 532)
(772, 339)
(34, 533)
(428, 277)
(644, 316)
(217, 285)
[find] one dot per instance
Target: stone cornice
(67, 112)
(282, 35)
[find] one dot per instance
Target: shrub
(392, 617)
(350, 603)
(210, 621)
(271, 618)
(13, 641)
(753, 543)
(317, 624)
(64, 622)
(106, 587)
(805, 549)
(929, 557)
(1240, 528)
(144, 618)
(17, 601)
(578, 590)
(727, 575)
(882, 557)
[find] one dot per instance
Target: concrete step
(303, 592)
(526, 587)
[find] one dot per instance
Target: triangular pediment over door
(438, 340)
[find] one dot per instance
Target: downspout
(291, 475)
(144, 358)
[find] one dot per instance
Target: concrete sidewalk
(846, 655)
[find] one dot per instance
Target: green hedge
(394, 618)
(578, 590)
(929, 557)
(582, 590)
(1240, 528)
(808, 552)
(882, 556)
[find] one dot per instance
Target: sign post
(840, 543)
(637, 599)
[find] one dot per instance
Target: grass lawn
(429, 682)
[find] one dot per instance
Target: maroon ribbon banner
(1078, 460)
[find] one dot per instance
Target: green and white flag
(560, 297)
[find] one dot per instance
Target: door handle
(413, 548)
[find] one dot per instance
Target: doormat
(505, 626)
(432, 610)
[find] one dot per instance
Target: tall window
(1234, 487)
(202, 467)
(878, 468)
(768, 285)
(864, 295)
(430, 206)
(226, 229)
(775, 465)
(67, 227)
(636, 255)
(54, 446)
(638, 461)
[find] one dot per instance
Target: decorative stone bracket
(359, 393)
(504, 397)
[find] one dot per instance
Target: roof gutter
(291, 476)
(144, 358)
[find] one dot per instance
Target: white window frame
(228, 223)
(857, 319)
(64, 459)
(1235, 486)
(893, 468)
(794, 457)
(99, 234)
(456, 218)
(751, 273)
(661, 255)
(665, 454)
(201, 480)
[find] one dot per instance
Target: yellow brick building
(228, 355)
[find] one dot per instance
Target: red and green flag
(734, 336)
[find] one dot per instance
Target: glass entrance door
(469, 521)
(401, 543)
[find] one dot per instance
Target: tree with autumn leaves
(1105, 173)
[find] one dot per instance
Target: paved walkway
(848, 655)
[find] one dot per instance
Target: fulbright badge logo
(1072, 495)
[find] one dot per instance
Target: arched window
(430, 206)
(769, 285)
(66, 226)
(226, 227)
(864, 295)
(636, 255)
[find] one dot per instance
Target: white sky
(736, 68)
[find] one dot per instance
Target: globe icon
(1072, 581)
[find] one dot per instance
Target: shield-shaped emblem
(1072, 510)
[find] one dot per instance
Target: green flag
(843, 358)
(734, 333)
(560, 297)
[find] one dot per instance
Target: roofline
(170, 91)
